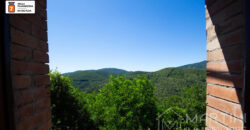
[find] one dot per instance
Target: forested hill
(168, 81)
(171, 81)
(110, 70)
(199, 65)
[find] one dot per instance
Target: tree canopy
(130, 102)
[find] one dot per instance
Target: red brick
(42, 80)
(235, 22)
(43, 104)
(18, 22)
(36, 20)
(44, 25)
(23, 38)
(43, 3)
(20, 53)
(46, 126)
(213, 44)
(22, 81)
(34, 121)
(217, 6)
(226, 13)
(25, 125)
(236, 37)
(210, 29)
(41, 11)
(223, 118)
(39, 32)
(209, 2)
(42, 117)
(20, 67)
(229, 53)
(29, 47)
(222, 66)
(215, 55)
(24, 96)
(41, 93)
(25, 111)
(207, 14)
(43, 46)
(39, 56)
(38, 68)
(36, 31)
(230, 94)
(225, 55)
(44, 36)
(225, 106)
(225, 80)
(214, 125)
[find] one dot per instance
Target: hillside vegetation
(130, 103)
(168, 81)
(199, 65)
(171, 98)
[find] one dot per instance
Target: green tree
(69, 110)
(173, 118)
(191, 102)
(124, 104)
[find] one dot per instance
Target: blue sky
(134, 35)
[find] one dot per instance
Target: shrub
(69, 110)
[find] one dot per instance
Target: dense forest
(171, 98)
(199, 65)
(168, 81)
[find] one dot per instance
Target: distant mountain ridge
(199, 65)
(115, 70)
(168, 81)
(112, 70)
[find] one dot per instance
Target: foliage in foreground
(69, 110)
(124, 104)
(187, 110)
(168, 81)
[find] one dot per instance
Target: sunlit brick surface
(225, 63)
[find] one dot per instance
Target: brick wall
(29, 58)
(225, 63)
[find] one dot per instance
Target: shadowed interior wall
(225, 24)
(2, 97)
(29, 58)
